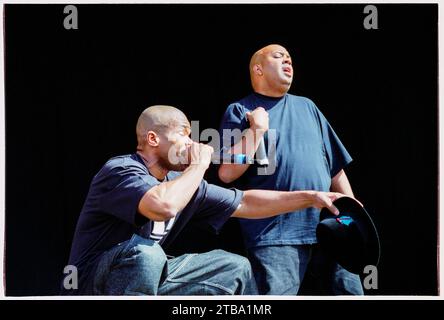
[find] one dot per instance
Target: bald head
(271, 71)
(158, 119)
(259, 55)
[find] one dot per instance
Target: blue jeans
(280, 269)
(140, 267)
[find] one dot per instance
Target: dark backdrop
(73, 98)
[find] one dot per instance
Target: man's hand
(325, 200)
(165, 200)
(258, 119)
(200, 154)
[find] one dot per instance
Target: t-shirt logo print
(160, 229)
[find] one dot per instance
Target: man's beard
(166, 164)
(178, 167)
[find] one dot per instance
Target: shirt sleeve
(234, 118)
(123, 188)
(217, 206)
(337, 156)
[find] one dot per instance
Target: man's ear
(257, 68)
(152, 139)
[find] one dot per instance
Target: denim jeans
(140, 267)
(280, 269)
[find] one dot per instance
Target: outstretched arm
(258, 204)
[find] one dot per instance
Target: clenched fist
(200, 154)
(258, 119)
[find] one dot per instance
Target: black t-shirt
(109, 215)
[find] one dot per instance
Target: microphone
(261, 154)
(231, 158)
(260, 159)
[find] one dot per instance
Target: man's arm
(340, 183)
(229, 172)
(258, 204)
(165, 200)
(248, 145)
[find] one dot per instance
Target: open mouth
(288, 70)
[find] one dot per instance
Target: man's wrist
(258, 132)
(307, 195)
(199, 166)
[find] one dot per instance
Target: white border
(259, 298)
(2, 160)
(440, 155)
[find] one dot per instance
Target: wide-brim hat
(351, 237)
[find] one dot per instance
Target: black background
(73, 98)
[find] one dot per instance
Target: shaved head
(158, 119)
(271, 70)
(258, 56)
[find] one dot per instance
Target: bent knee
(237, 263)
(149, 256)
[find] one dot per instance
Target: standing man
(138, 203)
(308, 156)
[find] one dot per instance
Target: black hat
(350, 237)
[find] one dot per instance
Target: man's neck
(270, 92)
(153, 166)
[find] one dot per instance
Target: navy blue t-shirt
(307, 155)
(109, 215)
